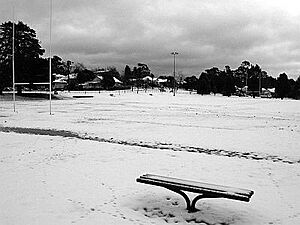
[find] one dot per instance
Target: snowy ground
(79, 165)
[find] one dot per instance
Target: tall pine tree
(27, 54)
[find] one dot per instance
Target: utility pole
(13, 59)
(246, 82)
(50, 52)
(259, 84)
(174, 83)
(69, 70)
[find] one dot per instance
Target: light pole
(13, 58)
(69, 70)
(259, 84)
(174, 54)
(50, 55)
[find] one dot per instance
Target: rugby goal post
(50, 55)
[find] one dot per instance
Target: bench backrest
(197, 187)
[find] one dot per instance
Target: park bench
(205, 190)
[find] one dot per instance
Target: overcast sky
(206, 33)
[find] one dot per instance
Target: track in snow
(158, 145)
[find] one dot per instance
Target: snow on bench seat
(204, 189)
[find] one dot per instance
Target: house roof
(97, 79)
(117, 81)
(147, 78)
(162, 80)
(60, 81)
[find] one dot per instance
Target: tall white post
(13, 58)
(50, 65)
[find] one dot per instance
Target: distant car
(7, 89)
(266, 95)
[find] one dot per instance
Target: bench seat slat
(199, 184)
(198, 187)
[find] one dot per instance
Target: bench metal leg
(191, 206)
(184, 195)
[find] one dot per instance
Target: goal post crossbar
(35, 83)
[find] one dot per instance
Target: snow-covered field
(79, 165)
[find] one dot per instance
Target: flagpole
(13, 58)
(50, 71)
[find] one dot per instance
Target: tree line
(32, 67)
(248, 78)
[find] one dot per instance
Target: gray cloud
(206, 33)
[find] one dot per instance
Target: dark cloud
(206, 33)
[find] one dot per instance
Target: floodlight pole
(246, 82)
(174, 54)
(69, 71)
(13, 58)
(259, 84)
(50, 71)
